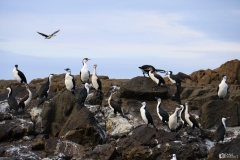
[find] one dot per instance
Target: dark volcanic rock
(142, 88)
(105, 151)
(212, 112)
(230, 150)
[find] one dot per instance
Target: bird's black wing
(100, 84)
(22, 77)
(43, 90)
(12, 103)
(116, 106)
(193, 120)
(164, 114)
(183, 76)
(55, 32)
(73, 80)
(82, 96)
(219, 133)
(42, 34)
(161, 80)
(149, 117)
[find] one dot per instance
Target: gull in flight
(49, 36)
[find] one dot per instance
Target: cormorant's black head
(16, 66)
(67, 69)
(85, 60)
(224, 77)
(94, 66)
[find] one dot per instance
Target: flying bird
(49, 36)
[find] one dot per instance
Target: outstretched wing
(42, 34)
(55, 32)
(183, 76)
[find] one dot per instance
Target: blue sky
(118, 36)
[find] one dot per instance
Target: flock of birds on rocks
(171, 121)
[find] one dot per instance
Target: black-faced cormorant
(115, 106)
(26, 99)
(43, 91)
(83, 95)
(192, 122)
(69, 81)
(12, 102)
(222, 89)
(49, 36)
(177, 78)
(221, 130)
(97, 84)
(156, 77)
(145, 70)
(19, 76)
(146, 116)
(84, 73)
(163, 115)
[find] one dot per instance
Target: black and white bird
(146, 116)
(145, 70)
(44, 90)
(221, 130)
(155, 77)
(49, 36)
(97, 84)
(19, 76)
(190, 119)
(12, 102)
(83, 95)
(115, 106)
(222, 89)
(177, 78)
(26, 99)
(84, 73)
(162, 114)
(69, 81)
(173, 121)
(182, 115)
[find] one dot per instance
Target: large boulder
(142, 88)
(228, 150)
(212, 112)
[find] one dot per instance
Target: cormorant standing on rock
(84, 73)
(222, 89)
(19, 76)
(26, 99)
(12, 102)
(83, 95)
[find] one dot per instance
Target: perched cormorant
(69, 81)
(26, 99)
(43, 91)
(177, 78)
(12, 102)
(83, 95)
(221, 130)
(192, 122)
(172, 123)
(19, 76)
(146, 116)
(182, 115)
(145, 69)
(84, 73)
(49, 36)
(95, 80)
(156, 77)
(222, 89)
(115, 106)
(163, 115)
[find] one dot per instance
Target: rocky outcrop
(229, 150)
(142, 88)
(212, 112)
